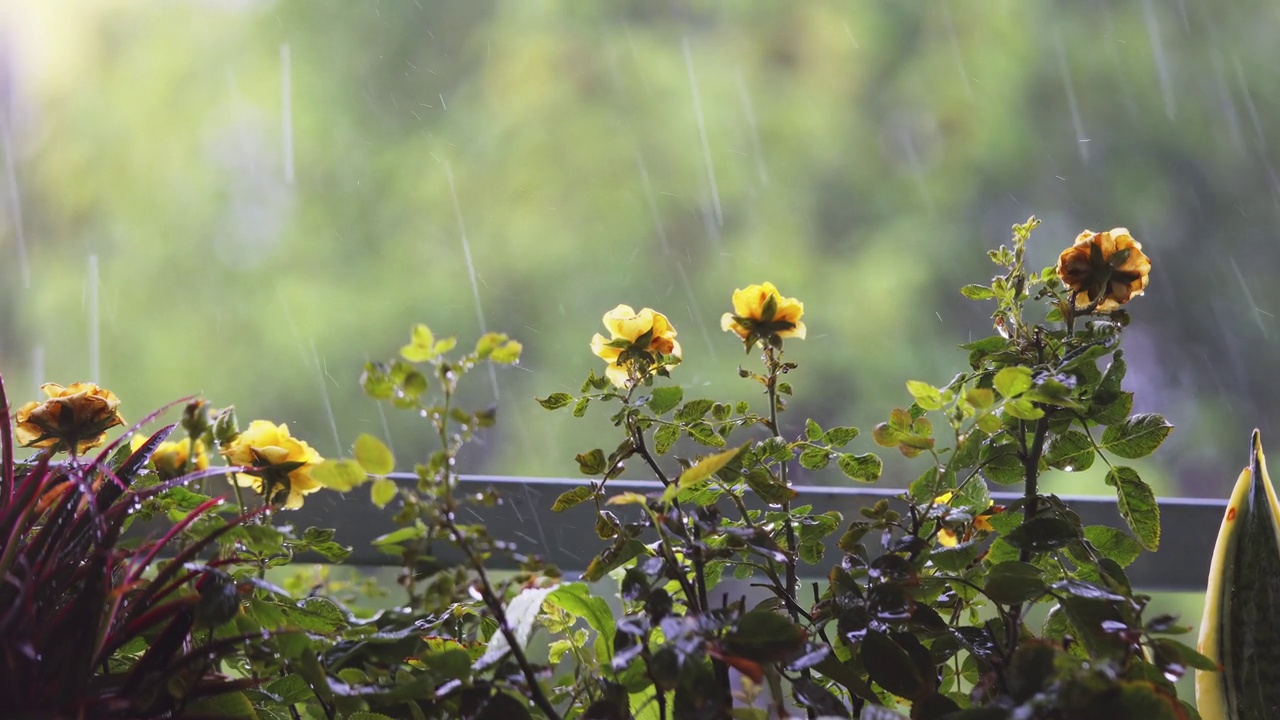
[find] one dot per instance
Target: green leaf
(839, 436)
(398, 536)
(577, 600)
(522, 612)
(498, 348)
(977, 292)
(374, 456)
(665, 398)
(766, 485)
(812, 430)
(591, 463)
(1071, 451)
(222, 705)
(1011, 382)
(926, 395)
(1023, 409)
(1014, 582)
(555, 401)
(572, 498)
(704, 434)
(1137, 504)
(814, 457)
(892, 668)
(580, 407)
(863, 468)
(382, 492)
(421, 345)
(1113, 543)
(664, 437)
(694, 410)
(1136, 437)
(340, 475)
(1043, 533)
(700, 472)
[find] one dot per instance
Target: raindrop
(15, 202)
(702, 132)
(286, 110)
(95, 336)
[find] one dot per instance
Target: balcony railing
(568, 539)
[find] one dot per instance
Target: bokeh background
(248, 199)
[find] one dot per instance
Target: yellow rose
(761, 313)
(170, 457)
(621, 351)
(282, 464)
(1106, 265)
(74, 418)
(981, 524)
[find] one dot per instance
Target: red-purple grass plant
(85, 629)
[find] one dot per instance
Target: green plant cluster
(924, 605)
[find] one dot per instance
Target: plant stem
(499, 614)
(1031, 471)
(773, 365)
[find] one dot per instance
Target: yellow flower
(1109, 267)
(74, 418)
(761, 313)
(948, 537)
(282, 464)
(636, 339)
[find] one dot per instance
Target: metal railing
(568, 539)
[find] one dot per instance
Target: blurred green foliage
(860, 155)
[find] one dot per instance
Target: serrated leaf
(591, 463)
(814, 458)
(977, 292)
(1113, 543)
(1011, 382)
(701, 471)
(522, 612)
(374, 456)
(863, 468)
(694, 410)
(421, 345)
(926, 395)
(1137, 505)
(1137, 436)
(812, 430)
(1043, 533)
(704, 434)
(382, 491)
(1071, 451)
(665, 398)
(839, 436)
(1014, 582)
(572, 498)
(664, 437)
(1023, 409)
(340, 475)
(555, 401)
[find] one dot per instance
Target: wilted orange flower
(1106, 265)
(73, 418)
(635, 340)
(282, 464)
(761, 313)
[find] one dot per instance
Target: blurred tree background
(248, 199)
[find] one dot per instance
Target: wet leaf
(1137, 505)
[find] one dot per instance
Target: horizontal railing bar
(568, 539)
